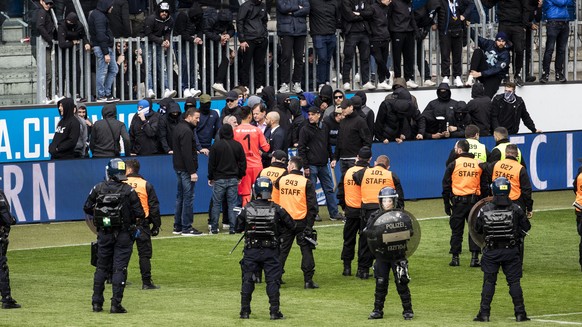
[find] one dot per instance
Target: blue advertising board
(46, 191)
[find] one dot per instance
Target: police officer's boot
(378, 312)
(455, 261)
(407, 312)
(482, 316)
(347, 268)
(9, 303)
(363, 273)
(245, 305)
(277, 315)
(310, 284)
(116, 307)
(149, 285)
(475, 260)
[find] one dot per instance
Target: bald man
(275, 136)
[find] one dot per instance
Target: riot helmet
(387, 199)
(115, 170)
(501, 187)
(263, 188)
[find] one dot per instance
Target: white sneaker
(446, 80)
(151, 94)
(297, 88)
(57, 98)
(428, 82)
(218, 87)
(357, 78)
(209, 228)
(284, 88)
(347, 86)
(458, 81)
(411, 84)
(170, 93)
(384, 86)
(259, 90)
(369, 86)
(195, 92)
(335, 78)
(187, 93)
(52, 101)
(225, 226)
(470, 81)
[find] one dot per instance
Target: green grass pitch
(200, 283)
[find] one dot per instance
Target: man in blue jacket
(102, 40)
(489, 62)
(558, 29)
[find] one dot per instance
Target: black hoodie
(66, 133)
(227, 157)
(480, 109)
(119, 19)
(443, 107)
(298, 121)
(71, 32)
(158, 30)
(144, 135)
(99, 29)
(189, 24)
(268, 95)
(167, 124)
(106, 133)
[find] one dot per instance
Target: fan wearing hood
(251, 26)
(439, 115)
(189, 26)
(158, 29)
(209, 123)
(67, 131)
(143, 130)
(324, 100)
(508, 109)
(218, 28)
(119, 19)
(168, 122)
(480, 109)
(297, 123)
(107, 132)
(102, 40)
(70, 34)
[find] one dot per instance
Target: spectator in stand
(158, 29)
(137, 13)
(143, 130)
(355, 16)
(292, 30)
(102, 40)
(438, 116)
(45, 25)
(253, 141)
(514, 18)
(209, 123)
(219, 29)
(338, 97)
(451, 22)
(67, 131)
(251, 26)
(402, 32)
(107, 133)
(558, 29)
(380, 41)
(424, 19)
(395, 113)
(366, 112)
(119, 19)
(508, 109)
(324, 20)
(357, 103)
(489, 62)
(189, 25)
(297, 122)
(168, 123)
(480, 109)
(462, 119)
(71, 34)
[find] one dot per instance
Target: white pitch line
(558, 322)
(178, 236)
(558, 314)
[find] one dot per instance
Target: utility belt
(465, 199)
(502, 245)
(265, 244)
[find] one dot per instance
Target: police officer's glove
(155, 230)
(447, 206)
(308, 231)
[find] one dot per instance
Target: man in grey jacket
(106, 133)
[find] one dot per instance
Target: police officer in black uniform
(6, 220)
(391, 260)
(502, 224)
(115, 208)
(261, 219)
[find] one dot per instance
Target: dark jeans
(420, 60)
(362, 41)
(479, 64)
(460, 214)
(220, 70)
(184, 213)
(326, 181)
(292, 46)
(556, 36)
(115, 247)
(403, 46)
(515, 34)
(380, 51)
(224, 188)
(451, 43)
(255, 54)
(190, 65)
(325, 46)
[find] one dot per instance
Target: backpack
(107, 210)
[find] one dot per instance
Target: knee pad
(381, 282)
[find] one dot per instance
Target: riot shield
(477, 238)
(393, 235)
(89, 221)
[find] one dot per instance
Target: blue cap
(501, 36)
(143, 103)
